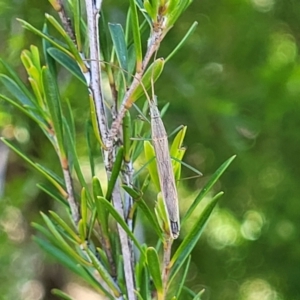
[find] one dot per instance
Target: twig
(125, 244)
(71, 198)
(66, 21)
(95, 69)
(93, 9)
(153, 45)
(166, 261)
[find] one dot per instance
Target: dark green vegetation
(235, 84)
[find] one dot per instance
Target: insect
(164, 167)
(163, 161)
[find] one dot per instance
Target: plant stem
(166, 262)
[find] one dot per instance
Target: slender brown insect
(164, 167)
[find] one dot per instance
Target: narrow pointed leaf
(49, 175)
(207, 187)
(54, 104)
(104, 274)
(150, 216)
(118, 38)
(68, 41)
(136, 35)
(150, 76)
(77, 21)
(61, 294)
(44, 36)
(67, 261)
(177, 142)
(65, 226)
(120, 221)
(150, 154)
(127, 133)
(15, 78)
(198, 296)
(162, 215)
(29, 111)
(183, 278)
(187, 35)
(154, 268)
(94, 121)
(115, 173)
(102, 213)
(67, 62)
(16, 91)
(105, 41)
(53, 194)
(62, 243)
(192, 238)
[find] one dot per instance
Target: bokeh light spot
(222, 230)
(258, 289)
(263, 5)
(252, 225)
(32, 290)
(283, 50)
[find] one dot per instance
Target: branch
(154, 43)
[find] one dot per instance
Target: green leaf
(105, 41)
(127, 133)
(177, 142)
(115, 173)
(207, 187)
(88, 135)
(142, 277)
(47, 173)
(150, 154)
(136, 36)
(94, 121)
(140, 5)
(198, 296)
(45, 36)
(65, 226)
(191, 238)
(77, 21)
(120, 221)
(67, 261)
(73, 156)
(49, 60)
(150, 10)
(54, 104)
(67, 62)
(84, 213)
(102, 212)
(16, 91)
(118, 38)
(187, 35)
(15, 78)
(61, 294)
(29, 111)
(155, 270)
(68, 41)
(150, 216)
(136, 195)
(64, 258)
(174, 10)
(150, 76)
(163, 216)
(62, 243)
(53, 194)
(183, 278)
(177, 152)
(105, 276)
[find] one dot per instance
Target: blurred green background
(236, 85)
